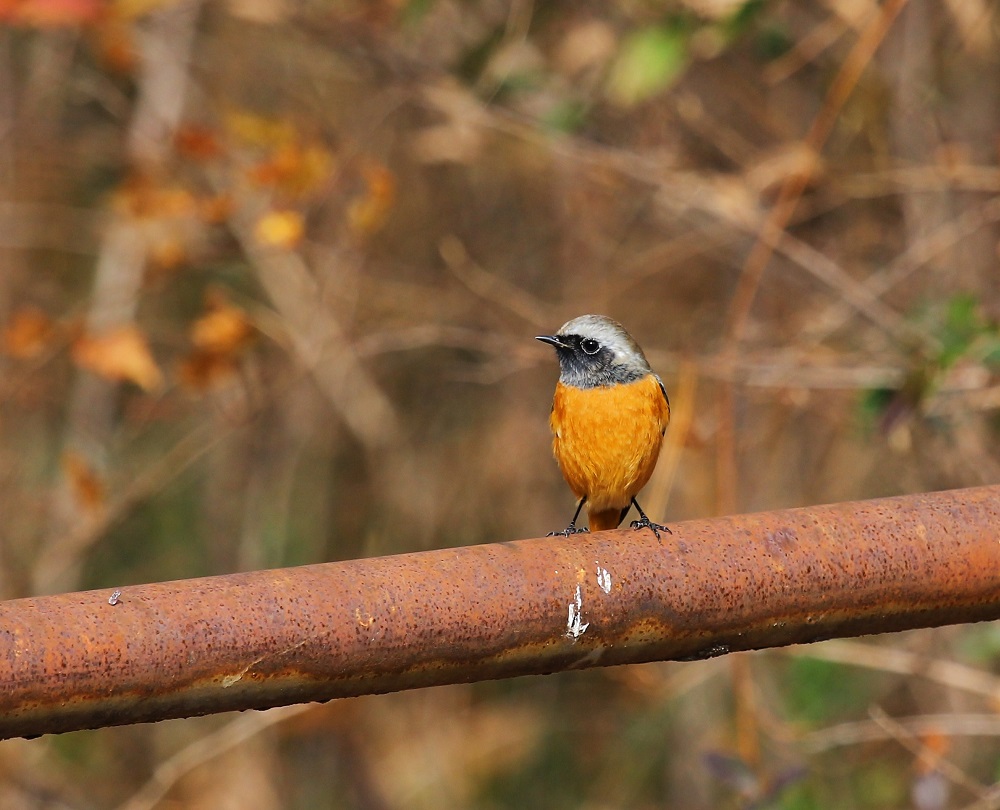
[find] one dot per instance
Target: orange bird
(609, 414)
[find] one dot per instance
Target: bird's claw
(569, 530)
(645, 523)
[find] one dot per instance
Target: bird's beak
(554, 340)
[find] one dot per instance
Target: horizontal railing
(256, 640)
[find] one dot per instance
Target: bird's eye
(590, 346)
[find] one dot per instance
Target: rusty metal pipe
(262, 639)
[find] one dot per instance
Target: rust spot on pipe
(268, 638)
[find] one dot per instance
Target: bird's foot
(571, 529)
(645, 523)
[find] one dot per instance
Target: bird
(609, 415)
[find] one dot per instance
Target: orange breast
(607, 440)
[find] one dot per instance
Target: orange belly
(606, 441)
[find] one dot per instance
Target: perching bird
(609, 414)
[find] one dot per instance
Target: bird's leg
(572, 529)
(645, 523)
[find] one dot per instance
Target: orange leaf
(115, 46)
(50, 13)
(368, 212)
(258, 130)
(216, 210)
(29, 332)
(85, 484)
(936, 745)
(282, 229)
(119, 354)
(223, 329)
(134, 9)
(197, 142)
(200, 370)
(145, 196)
(294, 168)
(168, 253)
(218, 336)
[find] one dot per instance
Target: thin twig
(865, 731)
(944, 766)
(791, 190)
(491, 287)
(64, 551)
(889, 659)
(919, 253)
(682, 410)
(204, 749)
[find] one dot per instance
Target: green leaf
(872, 406)
(962, 323)
(991, 353)
(413, 12)
(650, 60)
(773, 41)
(819, 690)
(567, 115)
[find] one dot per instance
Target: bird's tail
(606, 519)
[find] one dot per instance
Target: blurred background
(269, 278)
